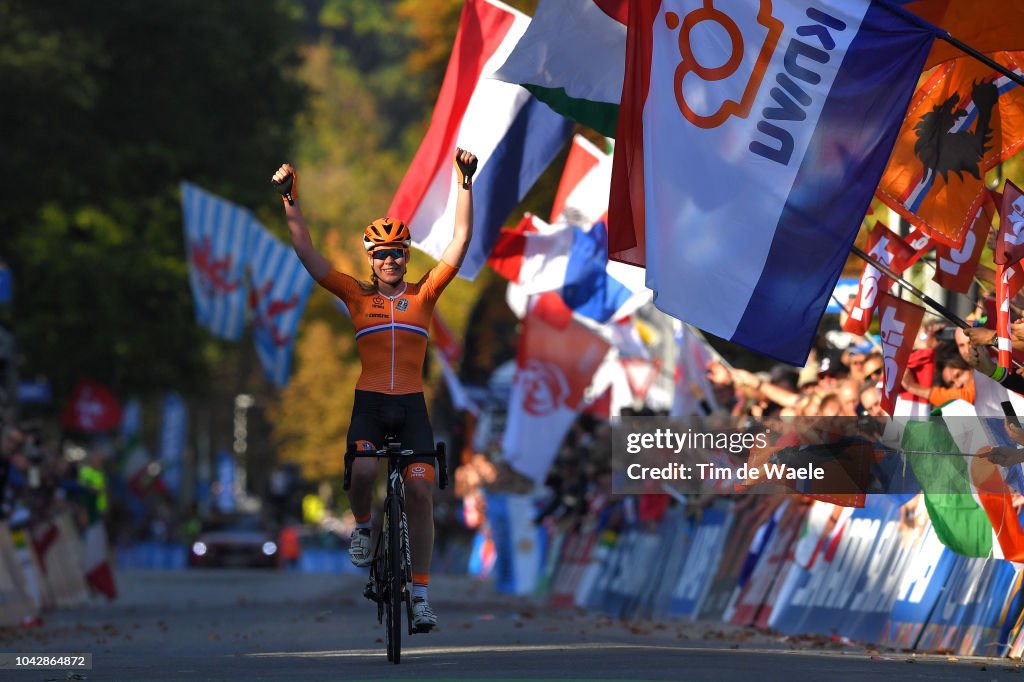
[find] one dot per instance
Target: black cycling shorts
(375, 415)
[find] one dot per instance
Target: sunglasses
(396, 254)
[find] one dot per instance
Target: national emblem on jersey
(402, 305)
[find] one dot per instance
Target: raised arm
(287, 182)
(455, 252)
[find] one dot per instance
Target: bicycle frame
(389, 579)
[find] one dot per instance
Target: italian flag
(98, 572)
(968, 500)
(572, 58)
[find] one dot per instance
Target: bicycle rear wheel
(396, 566)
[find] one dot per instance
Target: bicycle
(391, 568)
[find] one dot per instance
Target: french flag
(513, 135)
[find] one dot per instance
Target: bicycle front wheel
(396, 572)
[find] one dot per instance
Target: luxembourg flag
(279, 289)
(513, 135)
(217, 235)
(751, 137)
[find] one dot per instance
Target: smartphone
(1011, 416)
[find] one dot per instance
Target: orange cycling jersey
(391, 331)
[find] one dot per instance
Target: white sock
(419, 591)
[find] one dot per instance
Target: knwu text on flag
(751, 138)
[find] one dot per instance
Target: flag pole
(943, 34)
(981, 57)
(928, 300)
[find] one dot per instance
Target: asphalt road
(249, 625)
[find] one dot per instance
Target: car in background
(235, 541)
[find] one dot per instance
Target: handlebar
(394, 449)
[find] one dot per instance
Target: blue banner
(705, 552)
(173, 434)
(131, 419)
(35, 392)
(850, 587)
(6, 284)
(225, 481)
(920, 587)
(967, 618)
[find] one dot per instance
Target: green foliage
(110, 105)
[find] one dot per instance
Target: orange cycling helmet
(385, 231)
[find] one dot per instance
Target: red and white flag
(91, 409)
(556, 360)
(955, 268)
(448, 352)
(889, 249)
(1008, 252)
(582, 195)
(1010, 243)
(900, 322)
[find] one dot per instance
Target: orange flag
(986, 26)
(963, 121)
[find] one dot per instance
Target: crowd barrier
(877, 574)
(41, 568)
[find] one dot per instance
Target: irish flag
(967, 498)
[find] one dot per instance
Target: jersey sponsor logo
(378, 315)
(418, 471)
(402, 305)
(378, 301)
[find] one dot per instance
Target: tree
(113, 104)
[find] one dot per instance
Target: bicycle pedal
(369, 593)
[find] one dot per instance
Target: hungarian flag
(513, 135)
(555, 361)
(571, 58)
(802, 139)
(955, 267)
(962, 122)
(890, 250)
(899, 323)
(968, 501)
(92, 408)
